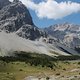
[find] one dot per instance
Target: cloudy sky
(49, 12)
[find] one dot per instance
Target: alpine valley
(28, 52)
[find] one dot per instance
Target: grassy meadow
(17, 68)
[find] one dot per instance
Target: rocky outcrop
(4, 3)
(15, 17)
(30, 32)
(67, 34)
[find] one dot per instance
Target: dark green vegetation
(72, 57)
(25, 64)
(35, 59)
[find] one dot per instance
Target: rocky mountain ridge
(67, 34)
(14, 17)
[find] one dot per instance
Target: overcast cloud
(51, 9)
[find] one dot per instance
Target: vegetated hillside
(66, 33)
(40, 66)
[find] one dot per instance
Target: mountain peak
(68, 33)
(15, 17)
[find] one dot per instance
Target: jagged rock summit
(14, 16)
(67, 34)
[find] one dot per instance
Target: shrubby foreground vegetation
(24, 64)
(35, 59)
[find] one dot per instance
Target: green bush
(79, 63)
(33, 59)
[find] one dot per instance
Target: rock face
(15, 17)
(67, 34)
(30, 32)
(3, 3)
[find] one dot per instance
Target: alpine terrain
(19, 33)
(28, 52)
(66, 33)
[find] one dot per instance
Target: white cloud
(51, 9)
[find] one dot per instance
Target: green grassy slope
(27, 64)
